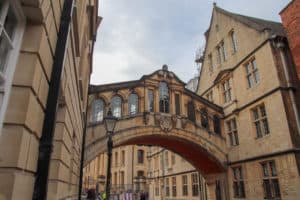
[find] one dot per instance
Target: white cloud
(137, 37)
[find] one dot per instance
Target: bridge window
(195, 184)
(191, 111)
(140, 156)
(217, 122)
(163, 97)
(238, 183)
(177, 104)
(204, 118)
(116, 106)
(150, 100)
(98, 111)
(133, 104)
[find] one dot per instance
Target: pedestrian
(104, 195)
(143, 196)
(91, 194)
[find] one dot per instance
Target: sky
(137, 37)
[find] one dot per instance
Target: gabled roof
(255, 23)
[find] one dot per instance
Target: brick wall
(291, 21)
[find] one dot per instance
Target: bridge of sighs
(158, 110)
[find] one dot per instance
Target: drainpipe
(46, 140)
(83, 150)
(281, 46)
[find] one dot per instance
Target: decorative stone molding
(146, 118)
(165, 122)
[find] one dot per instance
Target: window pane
(133, 104)
(228, 126)
(4, 50)
(273, 168)
(255, 113)
(250, 82)
(191, 111)
(234, 124)
(177, 104)
(258, 129)
(248, 68)
(235, 189)
(262, 110)
(10, 23)
(116, 106)
(265, 169)
(254, 64)
(276, 187)
(98, 111)
(150, 101)
(163, 97)
(267, 189)
(256, 76)
(236, 138)
(266, 126)
(231, 139)
(242, 189)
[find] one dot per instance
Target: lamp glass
(110, 122)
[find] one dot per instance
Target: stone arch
(206, 151)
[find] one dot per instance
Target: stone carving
(165, 122)
(184, 122)
(146, 118)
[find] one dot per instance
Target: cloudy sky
(137, 37)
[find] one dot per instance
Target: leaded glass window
(116, 106)
(133, 104)
(163, 97)
(98, 111)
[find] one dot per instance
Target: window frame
(260, 121)
(95, 117)
(238, 182)
(271, 190)
(12, 59)
(195, 184)
(252, 73)
(174, 187)
(151, 100)
(164, 97)
(232, 131)
(140, 156)
(114, 109)
(233, 41)
(133, 102)
(185, 191)
(227, 93)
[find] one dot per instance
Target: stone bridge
(158, 110)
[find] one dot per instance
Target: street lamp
(110, 123)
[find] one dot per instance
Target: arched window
(163, 97)
(204, 118)
(116, 106)
(217, 128)
(191, 111)
(133, 104)
(98, 111)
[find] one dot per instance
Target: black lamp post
(110, 123)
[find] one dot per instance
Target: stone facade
(256, 74)
(27, 95)
(290, 16)
(129, 170)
